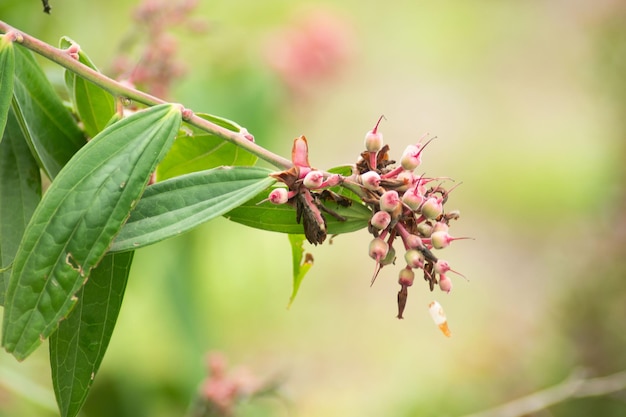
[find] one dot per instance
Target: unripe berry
(313, 179)
(412, 241)
(414, 258)
(389, 201)
(412, 199)
(279, 196)
(411, 158)
(441, 266)
(432, 208)
(406, 277)
(441, 239)
(425, 229)
(374, 139)
(378, 249)
(370, 180)
(381, 220)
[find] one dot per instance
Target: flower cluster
(404, 206)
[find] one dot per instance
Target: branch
(575, 386)
(117, 89)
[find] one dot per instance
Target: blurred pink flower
(309, 51)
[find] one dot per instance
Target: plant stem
(118, 89)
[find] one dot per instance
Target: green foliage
(7, 63)
(76, 221)
(174, 206)
(282, 218)
(20, 192)
(301, 264)
(79, 344)
(65, 258)
(48, 126)
(196, 150)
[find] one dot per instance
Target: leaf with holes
(75, 223)
(80, 342)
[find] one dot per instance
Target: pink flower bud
(432, 208)
(440, 227)
(279, 196)
(381, 220)
(442, 239)
(412, 241)
(374, 139)
(378, 249)
(389, 201)
(313, 179)
(370, 180)
(412, 157)
(445, 284)
(414, 258)
(406, 277)
(441, 266)
(412, 199)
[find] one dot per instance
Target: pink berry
(381, 220)
(279, 196)
(412, 241)
(370, 180)
(313, 179)
(374, 139)
(412, 199)
(432, 208)
(389, 200)
(378, 249)
(406, 277)
(441, 239)
(412, 157)
(414, 258)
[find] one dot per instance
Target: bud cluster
(404, 206)
(407, 207)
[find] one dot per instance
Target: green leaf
(7, 66)
(80, 342)
(20, 192)
(94, 105)
(174, 206)
(198, 150)
(282, 218)
(75, 223)
(300, 266)
(50, 129)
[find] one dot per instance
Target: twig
(575, 386)
(120, 90)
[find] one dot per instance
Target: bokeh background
(527, 100)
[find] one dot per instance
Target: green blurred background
(527, 100)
